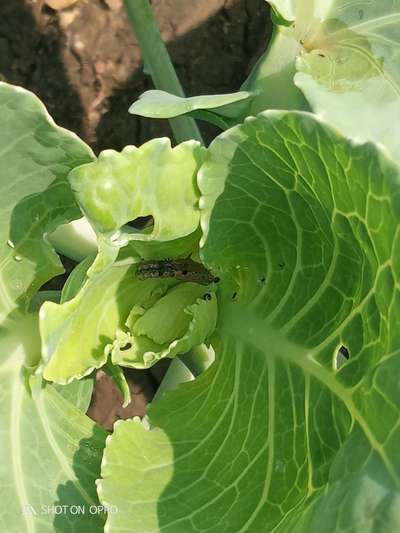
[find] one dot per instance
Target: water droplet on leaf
(16, 284)
(10, 244)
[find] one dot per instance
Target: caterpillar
(181, 269)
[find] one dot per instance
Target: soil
(84, 63)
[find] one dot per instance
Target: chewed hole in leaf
(344, 351)
(127, 346)
(342, 355)
(141, 223)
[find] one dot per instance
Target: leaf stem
(156, 58)
(75, 240)
(185, 368)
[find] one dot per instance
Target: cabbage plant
(268, 272)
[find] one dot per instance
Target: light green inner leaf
(153, 180)
(166, 319)
(75, 333)
(179, 320)
(222, 110)
(160, 104)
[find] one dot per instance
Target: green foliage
(344, 56)
(35, 157)
(219, 109)
(294, 219)
(40, 466)
(153, 180)
(275, 435)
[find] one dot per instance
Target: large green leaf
(346, 54)
(304, 228)
(35, 159)
(51, 451)
(349, 70)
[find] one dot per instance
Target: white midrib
(373, 24)
(271, 445)
(17, 393)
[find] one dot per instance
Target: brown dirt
(85, 64)
(106, 406)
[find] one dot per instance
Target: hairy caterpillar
(182, 269)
